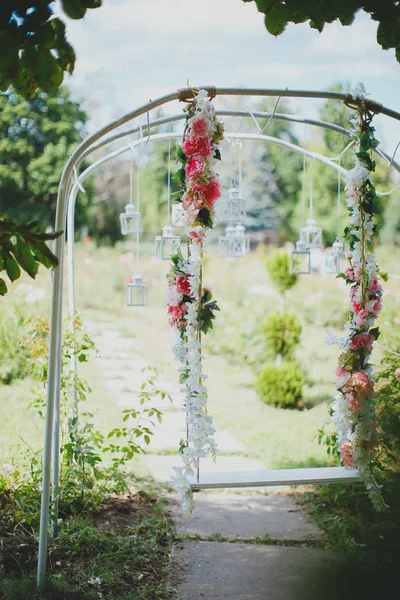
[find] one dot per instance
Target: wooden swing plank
(275, 477)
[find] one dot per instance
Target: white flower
(359, 92)
(174, 298)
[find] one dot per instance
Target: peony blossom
(209, 192)
(174, 296)
(183, 285)
(362, 340)
(199, 145)
(195, 166)
(199, 127)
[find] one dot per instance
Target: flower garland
(190, 305)
(353, 408)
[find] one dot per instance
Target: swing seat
(274, 477)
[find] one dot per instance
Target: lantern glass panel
(332, 262)
(165, 246)
(300, 263)
(178, 215)
(137, 292)
(131, 221)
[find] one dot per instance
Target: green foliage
(280, 386)
(388, 410)
(23, 246)
(319, 12)
(282, 332)
(278, 267)
(34, 51)
(13, 355)
(37, 137)
(273, 176)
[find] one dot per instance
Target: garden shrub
(278, 266)
(281, 386)
(282, 333)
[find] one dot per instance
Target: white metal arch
(55, 342)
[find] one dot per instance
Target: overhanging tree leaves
(277, 15)
(23, 246)
(34, 51)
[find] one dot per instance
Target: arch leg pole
(52, 392)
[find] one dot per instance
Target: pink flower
(346, 450)
(183, 285)
(195, 166)
(362, 340)
(199, 145)
(354, 402)
(360, 382)
(176, 315)
(197, 237)
(377, 308)
(343, 377)
(357, 272)
(397, 372)
(174, 296)
(209, 192)
(199, 127)
(349, 273)
(375, 286)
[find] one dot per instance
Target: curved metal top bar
(230, 113)
(224, 113)
(187, 93)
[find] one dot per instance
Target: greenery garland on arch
(353, 409)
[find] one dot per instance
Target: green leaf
(264, 5)
(74, 9)
(375, 332)
(276, 19)
(217, 154)
(12, 268)
(3, 287)
(25, 258)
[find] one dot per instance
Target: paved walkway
(235, 546)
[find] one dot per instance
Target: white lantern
(311, 235)
(130, 220)
(167, 243)
(233, 209)
(333, 256)
(234, 243)
(136, 292)
(300, 263)
(178, 215)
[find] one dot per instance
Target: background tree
(272, 176)
(34, 51)
(277, 14)
(36, 138)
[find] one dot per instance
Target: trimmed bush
(281, 386)
(278, 266)
(282, 333)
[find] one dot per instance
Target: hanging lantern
(130, 220)
(300, 263)
(178, 215)
(333, 256)
(167, 243)
(311, 235)
(226, 242)
(136, 292)
(240, 241)
(232, 209)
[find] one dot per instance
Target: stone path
(234, 546)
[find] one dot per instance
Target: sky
(130, 51)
